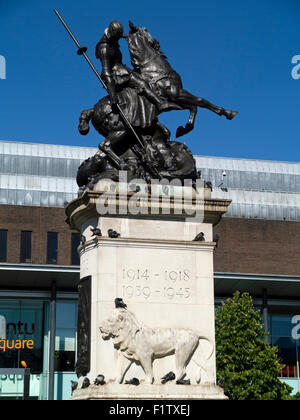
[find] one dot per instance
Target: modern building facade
(258, 252)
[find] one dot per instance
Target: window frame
(21, 248)
(4, 260)
(73, 251)
(48, 259)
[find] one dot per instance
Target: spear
(82, 51)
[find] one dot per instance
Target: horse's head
(142, 46)
(132, 27)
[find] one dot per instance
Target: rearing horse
(148, 60)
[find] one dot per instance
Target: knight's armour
(113, 71)
(109, 53)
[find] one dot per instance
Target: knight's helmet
(115, 29)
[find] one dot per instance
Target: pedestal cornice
(85, 207)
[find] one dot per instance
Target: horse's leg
(181, 131)
(84, 120)
(175, 94)
(189, 99)
(164, 130)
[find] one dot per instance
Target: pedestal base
(150, 392)
(161, 265)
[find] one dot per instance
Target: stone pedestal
(160, 272)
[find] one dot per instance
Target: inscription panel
(165, 280)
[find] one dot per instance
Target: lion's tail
(201, 360)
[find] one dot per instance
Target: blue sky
(235, 53)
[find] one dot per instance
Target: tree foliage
(247, 363)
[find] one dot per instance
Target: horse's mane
(154, 43)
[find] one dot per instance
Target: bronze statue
(115, 73)
(135, 140)
(150, 61)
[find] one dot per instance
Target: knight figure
(135, 140)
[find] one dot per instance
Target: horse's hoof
(230, 114)
(83, 129)
(181, 131)
(164, 130)
(189, 127)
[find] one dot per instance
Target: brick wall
(39, 220)
(258, 246)
(245, 245)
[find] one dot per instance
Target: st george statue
(135, 140)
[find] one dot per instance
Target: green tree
(247, 363)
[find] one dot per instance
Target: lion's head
(119, 325)
(111, 327)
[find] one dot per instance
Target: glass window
(65, 343)
(281, 336)
(26, 247)
(75, 244)
(282, 325)
(287, 354)
(52, 242)
(21, 322)
(3, 245)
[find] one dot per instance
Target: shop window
(3, 245)
(281, 325)
(21, 322)
(288, 348)
(65, 342)
(287, 353)
(26, 247)
(75, 244)
(52, 246)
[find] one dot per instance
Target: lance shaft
(82, 51)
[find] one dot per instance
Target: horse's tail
(84, 119)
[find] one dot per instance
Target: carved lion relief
(140, 344)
